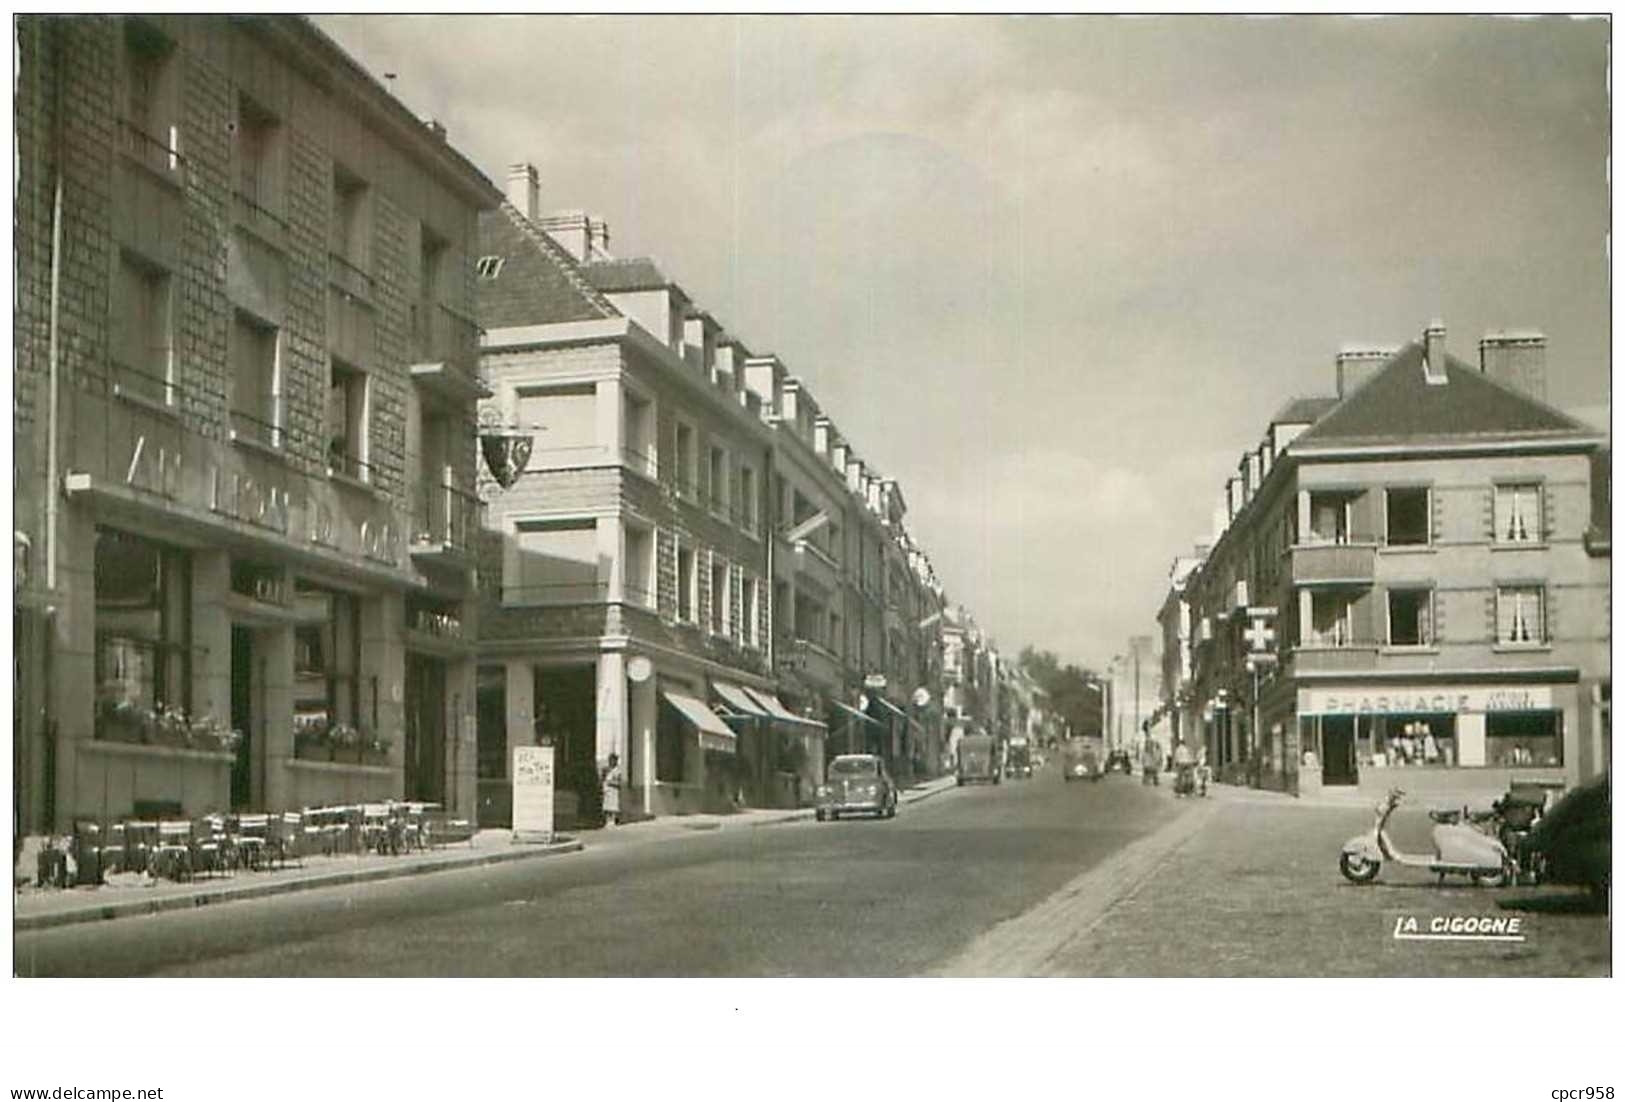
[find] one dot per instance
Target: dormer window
(489, 267)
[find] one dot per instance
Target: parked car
(1574, 838)
(1118, 760)
(857, 783)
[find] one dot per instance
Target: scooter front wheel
(1497, 879)
(1358, 869)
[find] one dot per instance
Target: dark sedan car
(1575, 838)
(857, 783)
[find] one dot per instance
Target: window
(717, 469)
(150, 132)
(349, 227)
(1517, 514)
(1410, 617)
(141, 326)
(670, 742)
(259, 158)
(745, 499)
(347, 421)
(719, 596)
(687, 608)
(809, 619)
(488, 267)
(566, 422)
(256, 400)
(1408, 524)
(637, 581)
(326, 659)
(684, 470)
(431, 330)
(748, 599)
(1524, 738)
(638, 433)
(834, 540)
(143, 610)
(1329, 517)
(555, 562)
(1519, 615)
(1329, 624)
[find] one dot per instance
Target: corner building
(246, 368)
(1431, 544)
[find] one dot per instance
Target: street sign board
(533, 793)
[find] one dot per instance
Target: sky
(1054, 274)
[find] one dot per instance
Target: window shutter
(1548, 512)
(1547, 602)
(1491, 522)
(1435, 515)
(1505, 607)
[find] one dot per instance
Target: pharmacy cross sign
(1260, 636)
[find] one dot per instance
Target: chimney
(1358, 362)
(598, 237)
(1516, 359)
(524, 190)
(570, 229)
(1433, 366)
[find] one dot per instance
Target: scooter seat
(1445, 814)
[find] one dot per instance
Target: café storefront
(1457, 734)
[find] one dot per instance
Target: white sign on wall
(533, 793)
(1404, 700)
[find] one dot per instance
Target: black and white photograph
(843, 532)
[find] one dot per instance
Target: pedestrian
(1150, 762)
(611, 781)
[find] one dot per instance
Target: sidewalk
(38, 908)
(1255, 891)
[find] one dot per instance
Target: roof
(1304, 410)
(1398, 405)
(539, 281)
(638, 273)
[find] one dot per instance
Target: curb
(128, 908)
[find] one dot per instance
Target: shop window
(142, 348)
(326, 662)
(1517, 514)
(143, 616)
(1410, 617)
(1400, 740)
(1519, 615)
(1524, 738)
(671, 743)
(256, 400)
(347, 421)
(1408, 524)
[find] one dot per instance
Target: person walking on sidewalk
(1150, 762)
(611, 782)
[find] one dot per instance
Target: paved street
(854, 898)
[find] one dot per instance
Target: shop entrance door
(1337, 745)
(425, 728)
(242, 716)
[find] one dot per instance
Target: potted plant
(310, 741)
(346, 742)
(375, 749)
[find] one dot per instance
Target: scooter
(1458, 848)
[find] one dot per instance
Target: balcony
(817, 563)
(264, 223)
(444, 521)
(349, 278)
(157, 155)
(446, 353)
(1334, 563)
(1326, 658)
(815, 663)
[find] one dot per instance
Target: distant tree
(1073, 691)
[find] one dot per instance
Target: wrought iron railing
(345, 463)
(161, 156)
(252, 213)
(254, 426)
(130, 381)
(443, 515)
(441, 333)
(348, 276)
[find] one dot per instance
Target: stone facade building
(1411, 577)
(245, 374)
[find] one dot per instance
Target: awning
(883, 701)
(865, 716)
(714, 734)
(775, 708)
(738, 699)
